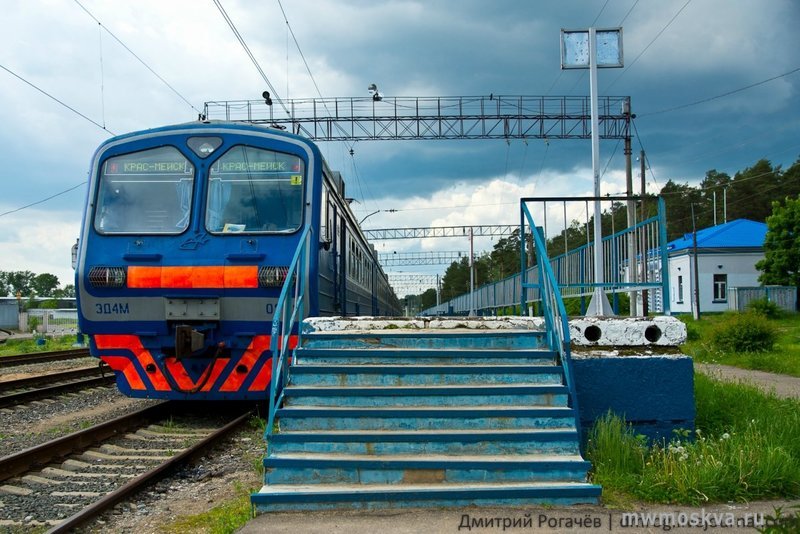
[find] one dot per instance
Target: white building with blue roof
(726, 257)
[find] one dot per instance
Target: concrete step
(404, 375)
(303, 418)
(437, 442)
(505, 395)
(422, 356)
(357, 496)
(427, 339)
(307, 468)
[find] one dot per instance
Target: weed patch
(746, 446)
(224, 518)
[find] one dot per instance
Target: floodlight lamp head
(266, 97)
(373, 89)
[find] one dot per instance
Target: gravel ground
(218, 477)
(36, 422)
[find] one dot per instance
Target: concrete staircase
(424, 418)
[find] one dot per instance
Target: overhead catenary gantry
(441, 231)
(416, 283)
(432, 257)
(452, 117)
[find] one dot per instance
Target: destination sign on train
(120, 166)
(228, 167)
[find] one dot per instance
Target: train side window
(324, 232)
(255, 190)
(145, 192)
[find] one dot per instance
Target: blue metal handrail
(288, 313)
(574, 273)
(555, 315)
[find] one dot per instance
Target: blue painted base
(653, 393)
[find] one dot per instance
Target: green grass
(746, 446)
(24, 346)
(224, 518)
(784, 358)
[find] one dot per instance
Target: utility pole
(471, 276)
(631, 214)
(696, 276)
(725, 204)
(645, 304)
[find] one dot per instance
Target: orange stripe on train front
(265, 373)
(184, 381)
(193, 277)
(126, 367)
(143, 276)
(134, 344)
(249, 359)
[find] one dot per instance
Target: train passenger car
(187, 237)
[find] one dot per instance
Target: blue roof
(741, 233)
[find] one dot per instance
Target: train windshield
(147, 192)
(255, 190)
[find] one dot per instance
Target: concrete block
(654, 393)
(627, 331)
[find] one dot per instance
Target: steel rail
(20, 397)
(22, 461)
(42, 357)
(51, 378)
(147, 478)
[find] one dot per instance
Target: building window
(680, 289)
(720, 288)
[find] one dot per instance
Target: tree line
(27, 284)
(752, 193)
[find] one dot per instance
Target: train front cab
(187, 239)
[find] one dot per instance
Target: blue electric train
(187, 238)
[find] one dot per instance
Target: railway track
(26, 389)
(43, 357)
(64, 483)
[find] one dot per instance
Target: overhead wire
(44, 199)
(628, 13)
(349, 144)
(722, 95)
(102, 75)
(75, 111)
(148, 67)
(632, 63)
(249, 53)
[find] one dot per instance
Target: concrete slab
(514, 519)
(659, 331)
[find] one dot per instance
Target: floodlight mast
(579, 50)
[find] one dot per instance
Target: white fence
(50, 321)
(785, 297)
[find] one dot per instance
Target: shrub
(744, 332)
(765, 307)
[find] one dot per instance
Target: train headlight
(107, 277)
(272, 276)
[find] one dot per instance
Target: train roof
(207, 124)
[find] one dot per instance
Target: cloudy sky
(730, 67)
